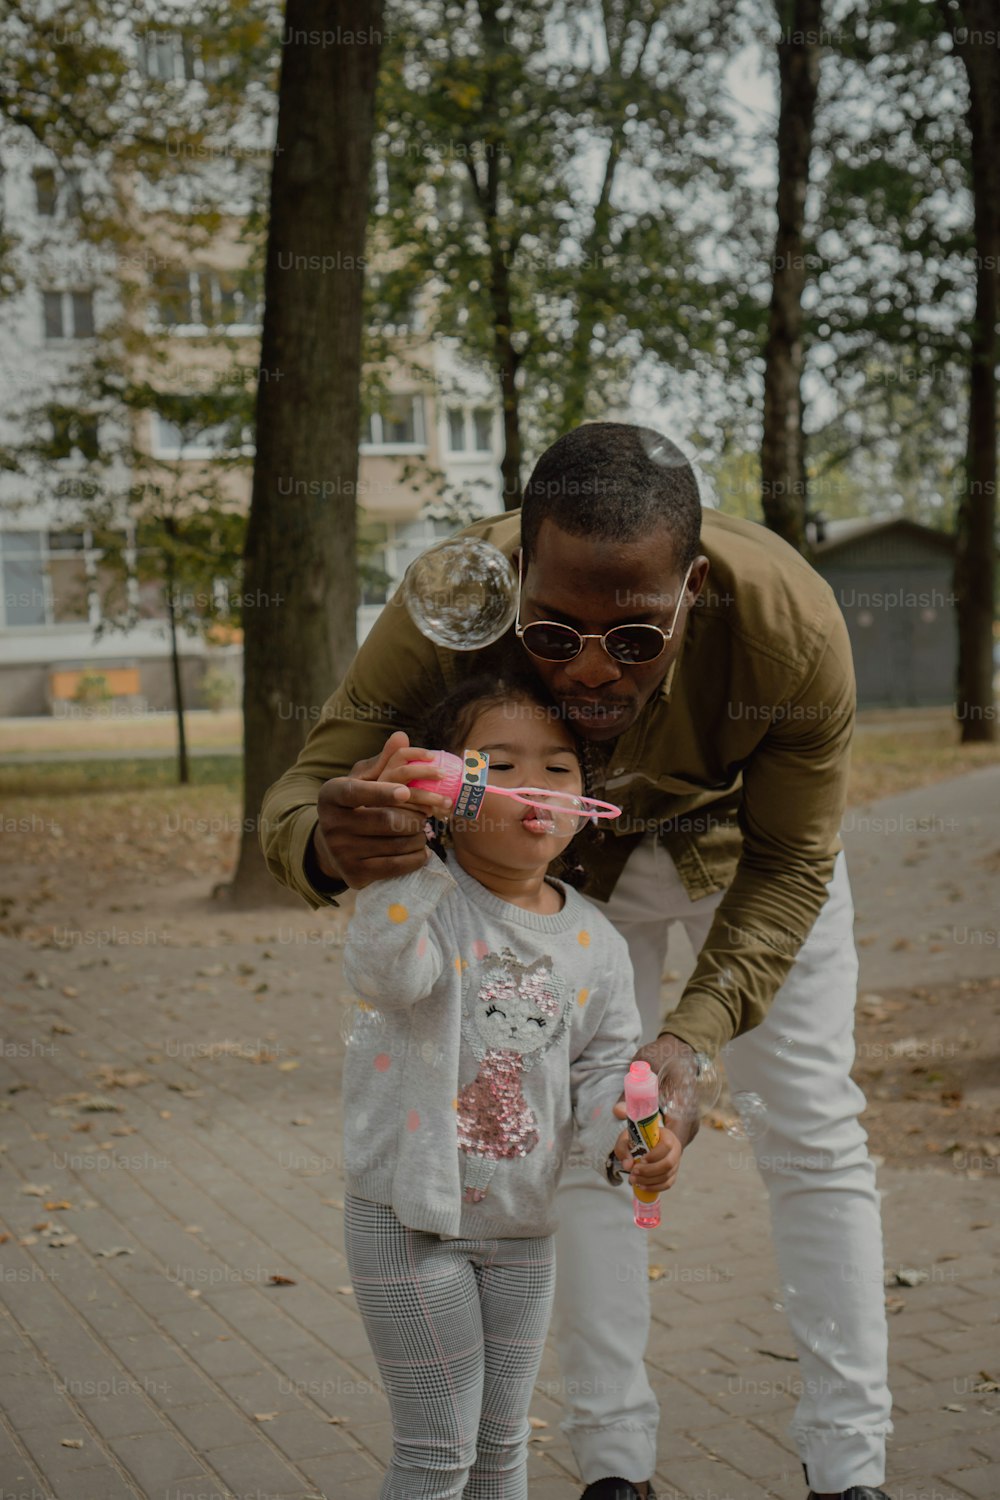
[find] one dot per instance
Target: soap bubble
(689, 1086)
(823, 1337)
(783, 1046)
(361, 1023)
(752, 1112)
(461, 594)
(662, 451)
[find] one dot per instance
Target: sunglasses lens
(551, 642)
(635, 643)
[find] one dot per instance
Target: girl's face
(526, 747)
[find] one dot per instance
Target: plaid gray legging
(457, 1328)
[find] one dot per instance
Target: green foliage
(572, 159)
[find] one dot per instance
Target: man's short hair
(614, 482)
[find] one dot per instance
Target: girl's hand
(399, 770)
(657, 1170)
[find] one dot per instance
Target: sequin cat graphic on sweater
(513, 1014)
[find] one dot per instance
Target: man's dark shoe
(614, 1489)
(858, 1492)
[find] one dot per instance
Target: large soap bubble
(752, 1119)
(462, 594)
(689, 1086)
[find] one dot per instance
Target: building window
(69, 577)
(399, 424)
(68, 315)
(74, 434)
(195, 301)
(172, 440)
(477, 423)
(52, 194)
(45, 191)
(456, 429)
(23, 578)
(410, 538)
(174, 56)
(386, 549)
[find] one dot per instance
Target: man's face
(594, 585)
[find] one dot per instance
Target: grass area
(885, 763)
(66, 778)
(120, 731)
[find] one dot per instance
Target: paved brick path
(181, 1371)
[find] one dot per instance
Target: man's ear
(699, 575)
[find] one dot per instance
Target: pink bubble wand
(465, 785)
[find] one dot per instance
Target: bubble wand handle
(642, 1101)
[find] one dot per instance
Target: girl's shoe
(859, 1492)
(616, 1489)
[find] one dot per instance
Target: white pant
(824, 1207)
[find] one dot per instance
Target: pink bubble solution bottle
(642, 1100)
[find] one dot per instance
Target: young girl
(499, 1012)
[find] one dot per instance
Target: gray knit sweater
(484, 1034)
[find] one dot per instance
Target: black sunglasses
(632, 645)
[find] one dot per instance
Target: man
(708, 670)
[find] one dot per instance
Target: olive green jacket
(738, 763)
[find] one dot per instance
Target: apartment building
(436, 429)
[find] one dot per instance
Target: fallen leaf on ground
(276, 1279)
(345, 1291)
(792, 1359)
(58, 1240)
(116, 1250)
(536, 1422)
(894, 1304)
(655, 1272)
(35, 1191)
(58, 1203)
(71, 1442)
(264, 1416)
(122, 1078)
(907, 1277)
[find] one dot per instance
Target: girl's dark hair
(446, 726)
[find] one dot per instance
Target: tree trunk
(506, 363)
(183, 769)
(782, 458)
(300, 564)
(506, 359)
(975, 524)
